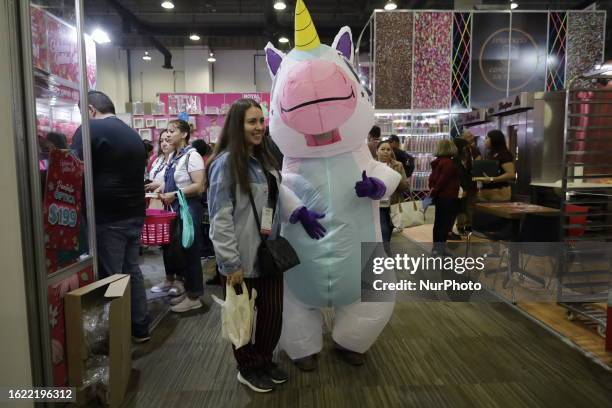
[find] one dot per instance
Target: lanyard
(169, 183)
(179, 154)
(159, 168)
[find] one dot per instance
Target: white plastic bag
(237, 315)
(407, 214)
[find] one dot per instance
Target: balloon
(320, 114)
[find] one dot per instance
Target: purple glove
(370, 187)
(309, 222)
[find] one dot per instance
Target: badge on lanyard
(266, 221)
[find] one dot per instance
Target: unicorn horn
(306, 37)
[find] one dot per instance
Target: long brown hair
(232, 140)
(498, 141)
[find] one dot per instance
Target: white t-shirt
(182, 170)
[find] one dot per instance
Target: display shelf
(420, 180)
(422, 161)
(419, 134)
(422, 134)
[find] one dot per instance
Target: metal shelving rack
(586, 204)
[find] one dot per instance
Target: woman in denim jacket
(243, 163)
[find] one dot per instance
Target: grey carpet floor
(431, 354)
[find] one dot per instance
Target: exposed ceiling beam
(144, 29)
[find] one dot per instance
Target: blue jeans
(118, 246)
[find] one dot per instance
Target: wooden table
(557, 184)
(515, 211)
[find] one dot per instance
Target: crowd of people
(243, 166)
(233, 184)
(452, 187)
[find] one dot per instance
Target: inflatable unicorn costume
(319, 117)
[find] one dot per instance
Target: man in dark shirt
(118, 163)
(401, 156)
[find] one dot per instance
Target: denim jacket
(233, 229)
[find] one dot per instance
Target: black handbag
(274, 256)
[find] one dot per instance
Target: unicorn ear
(274, 58)
(344, 43)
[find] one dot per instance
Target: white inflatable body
(319, 117)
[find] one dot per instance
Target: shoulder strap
(187, 155)
(255, 214)
(253, 208)
(187, 165)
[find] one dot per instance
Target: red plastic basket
(156, 228)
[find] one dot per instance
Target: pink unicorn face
(317, 97)
(318, 106)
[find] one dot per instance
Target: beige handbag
(407, 214)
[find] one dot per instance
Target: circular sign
(493, 59)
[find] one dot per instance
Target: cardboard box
(116, 290)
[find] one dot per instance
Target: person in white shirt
(185, 172)
(171, 284)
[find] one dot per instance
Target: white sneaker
(176, 300)
(165, 286)
(187, 305)
(177, 289)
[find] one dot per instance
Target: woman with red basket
(160, 220)
(184, 172)
(159, 164)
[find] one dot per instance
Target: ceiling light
(100, 36)
(390, 5)
(283, 40)
(168, 5)
(146, 57)
(279, 5)
(194, 37)
(211, 57)
(513, 5)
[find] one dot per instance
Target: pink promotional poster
(55, 49)
(206, 110)
(56, 61)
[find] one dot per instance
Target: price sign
(63, 191)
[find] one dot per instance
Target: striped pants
(268, 323)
